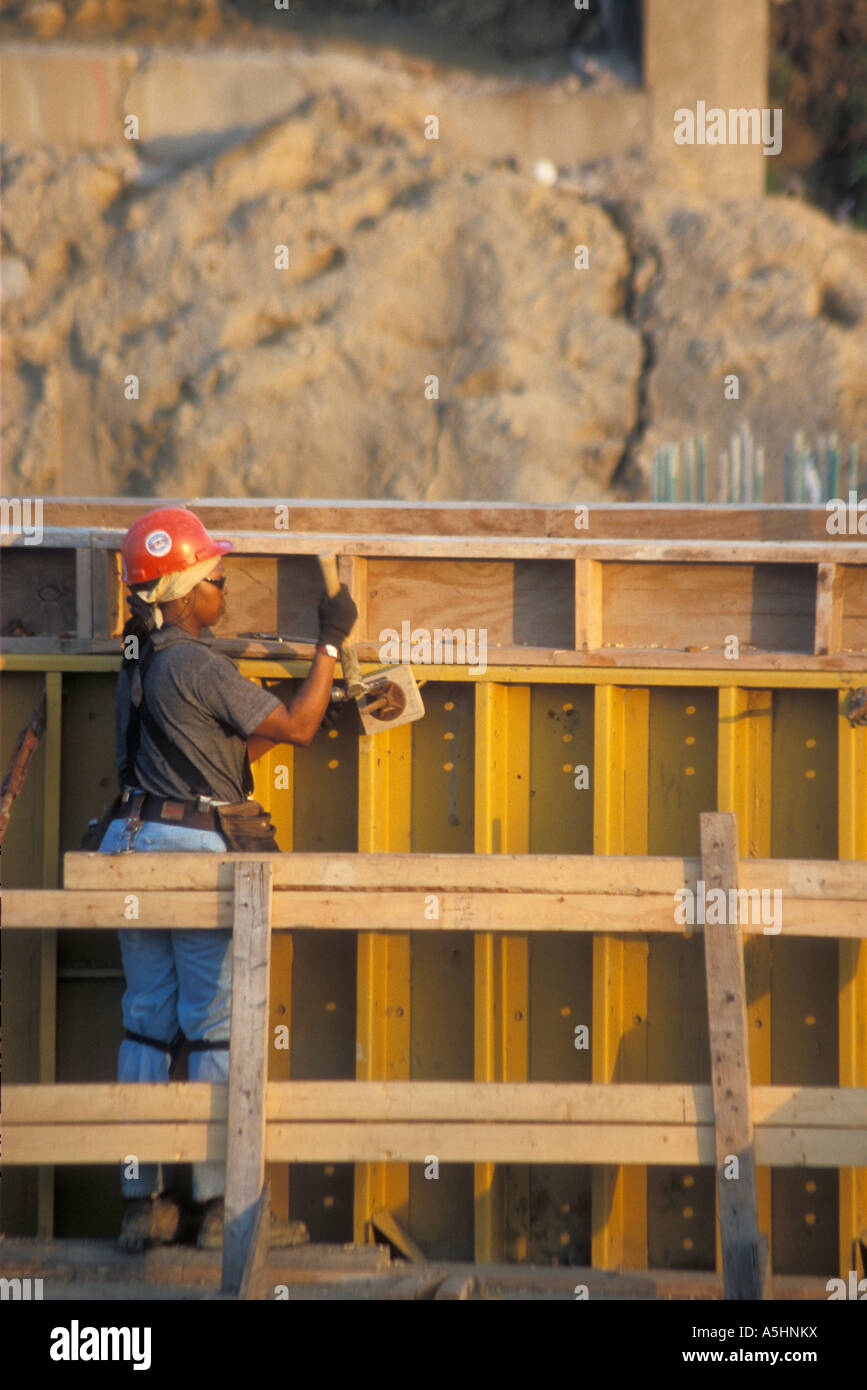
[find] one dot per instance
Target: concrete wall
(77, 95)
(714, 51)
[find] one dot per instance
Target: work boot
(282, 1233)
(148, 1221)
(213, 1221)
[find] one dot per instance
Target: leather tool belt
(186, 813)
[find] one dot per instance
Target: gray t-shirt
(204, 707)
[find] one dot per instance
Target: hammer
(385, 698)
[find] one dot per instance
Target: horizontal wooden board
(536, 873)
(480, 548)
(768, 521)
(767, 671)
(391, 1142)
(769, 607)
(369, 910)
(416, 1101)
(632, 665)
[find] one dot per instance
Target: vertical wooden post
(84, 590)
(245, 1155)
(829, 609)
(744, 1262)
(352, 571)
(588, 604)
(744, 788)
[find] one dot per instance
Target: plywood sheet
(37, 592)
(516, 602)
(854, 601)
(695, 606)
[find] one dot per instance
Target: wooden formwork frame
(825, 616)
(622, 677)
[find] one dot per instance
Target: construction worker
(188, 725)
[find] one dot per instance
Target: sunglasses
(217, 583)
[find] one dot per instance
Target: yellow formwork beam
(502, 967)
(383, 975)
(273, 777)
(744, 787)
(51, 740)
(715, 677)
(852, 965)
(619, 1035)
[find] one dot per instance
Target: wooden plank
(829, 609)
(245, 1161)
(430, 549)
(744, 763)
(459, 1142)
(109, 608)
(352, 571)
(730, 1070)
(84, 591)
(609, 519)
(588, 604)
(635, 665)
(553, 1103)
(404, 912)
(255, 1282)
(459, 1285)
(419, 1283)
(382, 1220)
(590, 874)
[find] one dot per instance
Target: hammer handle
(348, 659)
(328, 566)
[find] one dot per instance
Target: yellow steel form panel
(619, 1035)
(383, 1028)
(852, 844)
(744, 787)
(502, 986)
(51, 740)
(273, 777)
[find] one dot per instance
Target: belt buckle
(203, 804)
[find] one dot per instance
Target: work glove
(337, 617)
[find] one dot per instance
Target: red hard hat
(165, 541)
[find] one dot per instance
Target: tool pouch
(244, 825)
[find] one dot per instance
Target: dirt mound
(424, 334)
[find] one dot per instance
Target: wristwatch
(329, 649)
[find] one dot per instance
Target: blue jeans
(173, 978)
